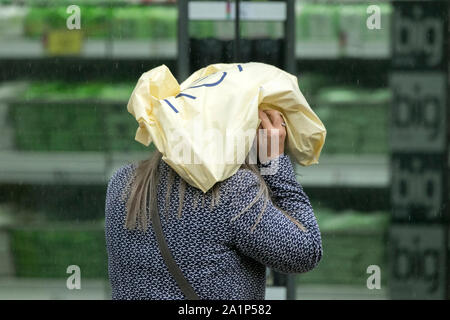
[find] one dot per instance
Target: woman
(221, 240)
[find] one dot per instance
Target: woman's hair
(144, 183)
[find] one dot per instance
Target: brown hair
(143, 185)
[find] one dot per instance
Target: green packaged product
(36, 22)
(361, 36)
(56, 113)
(126, 23)
(95, 21)
(317, 30)
(162, 22)
(201, 29)
(356, 119)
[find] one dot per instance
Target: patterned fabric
(221, 258)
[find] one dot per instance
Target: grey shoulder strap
(174, 269)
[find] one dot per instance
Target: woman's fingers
(275, 118)
(272, 139)
(265, 121)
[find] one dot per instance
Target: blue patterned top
(221, 258)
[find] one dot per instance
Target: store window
(376, 75)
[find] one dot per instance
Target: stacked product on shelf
(311, 82)
(322, 30)
(163, 22)
(361, 35)
(96, 21)
(351, 242)
(59, 116)
(46, 251)
(356, 119)
(40, 20)
(317, 30)
(101, 22)
(261, 29)
(147, 22)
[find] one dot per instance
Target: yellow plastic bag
(206, 126)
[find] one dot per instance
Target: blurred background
(65, 130)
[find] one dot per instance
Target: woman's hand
(270, 141)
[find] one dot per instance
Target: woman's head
(142, 188)
(145, 181)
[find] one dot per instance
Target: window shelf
(81, 168)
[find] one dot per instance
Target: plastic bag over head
(206, 126)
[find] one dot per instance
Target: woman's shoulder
(121, 174)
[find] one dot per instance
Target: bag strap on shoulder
(174, 269)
